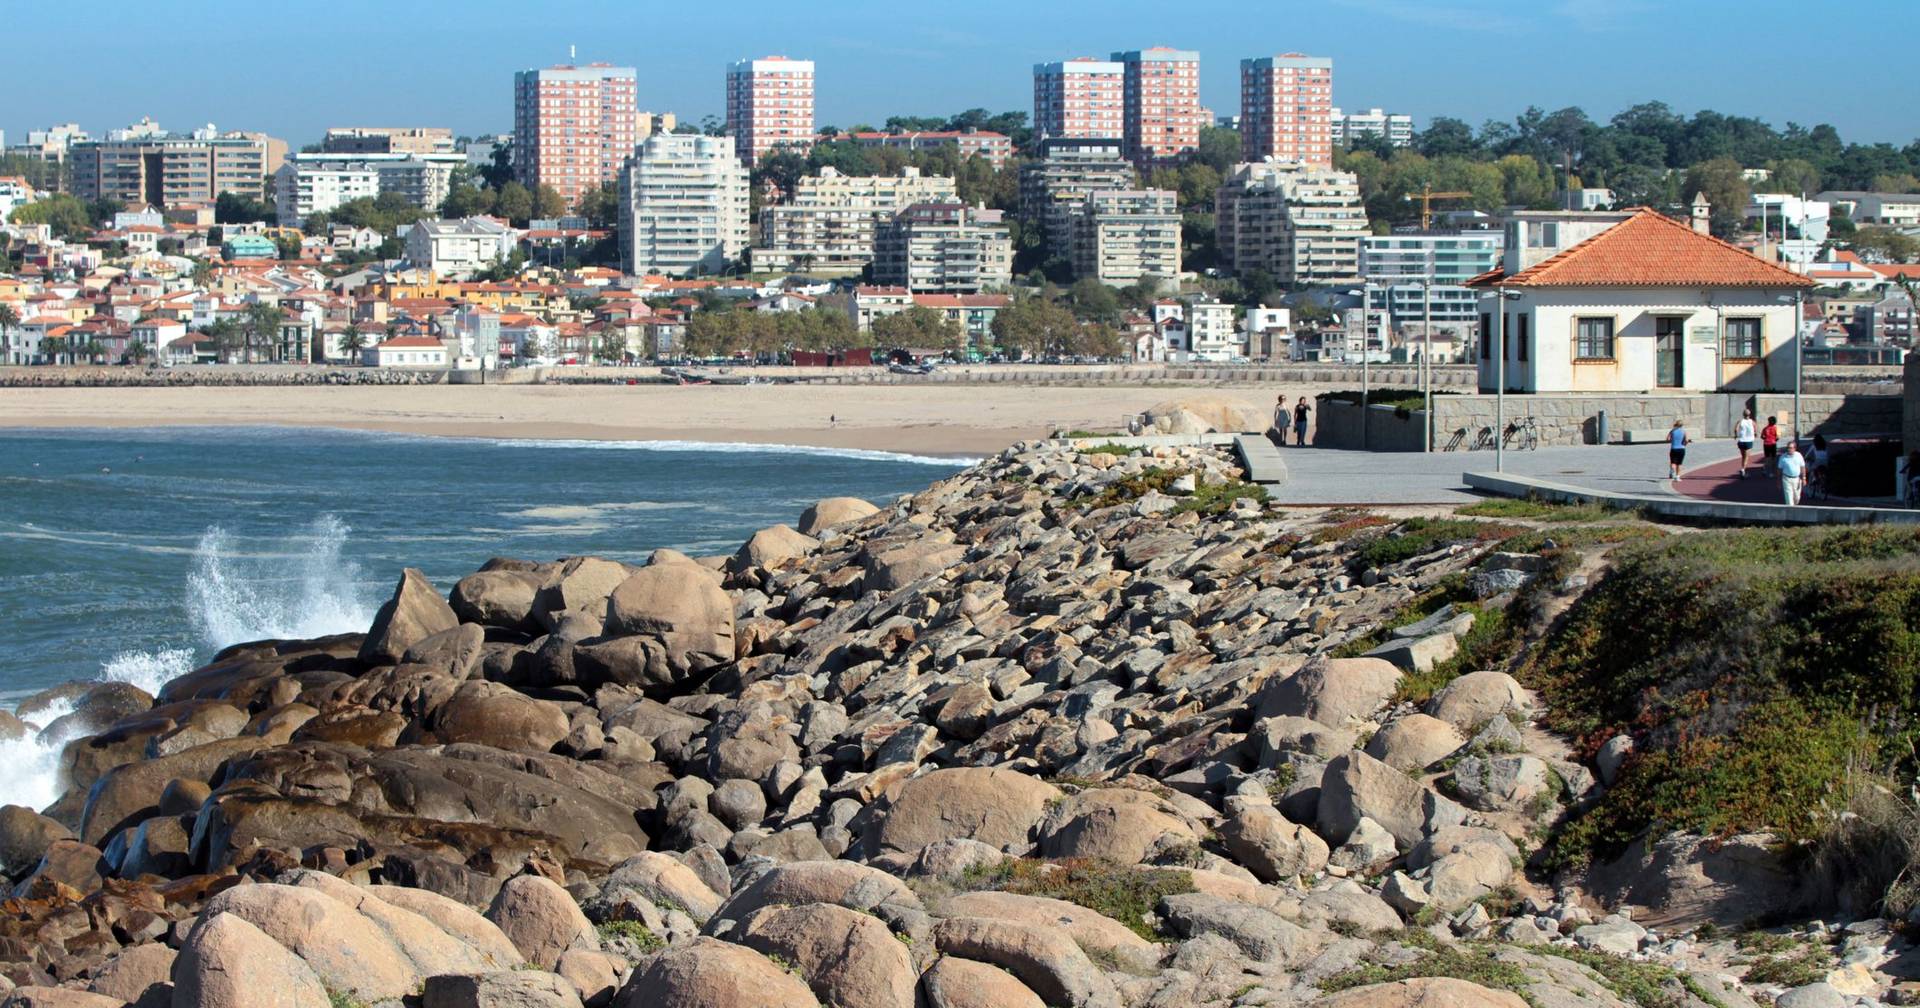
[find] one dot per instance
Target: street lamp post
(1500, 382)
(1426, 358)
(1798, 357)
(1366, 340)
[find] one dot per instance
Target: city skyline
(1602, 55)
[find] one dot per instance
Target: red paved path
(1719, 481)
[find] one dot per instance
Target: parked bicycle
(1525, 431)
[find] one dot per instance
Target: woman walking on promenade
(1743, 439)
(1300, 421)
(1280, 422)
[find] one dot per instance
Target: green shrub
(1417, 536)
(1757, 667)
(1535, 509)
(1472, 963)
(1126, 893)
(1110, 448)
(634, 931)
(1645, 984)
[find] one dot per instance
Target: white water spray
(309, 591)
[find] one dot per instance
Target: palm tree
(351, 343)
(52, 347)
(202, 272)
(8, 319)
(138, 352)
(260, 325)
(226, 337)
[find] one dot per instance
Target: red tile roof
(403, 342)
(1649, 249)
(1892, 270)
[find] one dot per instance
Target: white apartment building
(314, 183)
(683, 206)
(457, 249)
(944, 248)
(769, 105)
(1899, 210)
(1056, 184)
(1126, 235)
(1302, 226)
(300, 191)
(829, 226)
(1347, 127)
(1212, 331)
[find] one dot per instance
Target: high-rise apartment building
(1056, 183)
(1082, 97)
(573, 126)
(1301, 226)
(169, 170)
(1161, 110)
(683, 205)
(1123, 236)
(944, 248)
(769, 105)
(1286, 109)
(829, 225)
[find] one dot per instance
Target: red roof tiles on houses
(1648, 249)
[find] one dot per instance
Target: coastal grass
(1125, 893)
(1110, 448)
(1535, 509)
(1206, 499)
(1646, 984)
(1767, 675)
(1417, 536)
(1470, 962)
(633, 931)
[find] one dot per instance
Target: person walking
(1793, 473)
(1300, 412)
(1817, 472)
(1770, 444)
(1677, 442)
(1280, 421)
(1743, 439)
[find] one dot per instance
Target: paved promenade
(1326, 476)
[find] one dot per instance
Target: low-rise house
(458, 249)
(1646, 304)
(407, 352)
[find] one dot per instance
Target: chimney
(1702, 213)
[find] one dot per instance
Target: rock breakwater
(1069, 728)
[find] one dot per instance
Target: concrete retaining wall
(1509, 485)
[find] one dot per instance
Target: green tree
(515, 203)
(1885, 244)
(548, 203)
(601, 207)
(9, 317)
(611, 347)
(1035, 326)
(1094, 301)
(1725, 184)
(1793, 175)
(63, 214)
(919, 327)
(351, 343)
(138, 352)
(101, 211)
(1218, 148)
(1903, 182)
(235, 208)
(227, 337)
(467, 201)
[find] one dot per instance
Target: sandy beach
(922, 419)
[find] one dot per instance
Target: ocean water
(135, 554)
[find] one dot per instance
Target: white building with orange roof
(1645, 304)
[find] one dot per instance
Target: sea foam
(309, 590)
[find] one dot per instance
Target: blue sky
(294, 67)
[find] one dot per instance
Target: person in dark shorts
(1743, 439)
(1677, 442)
(1300, 412)
(1770, 445)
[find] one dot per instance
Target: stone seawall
(214, 375)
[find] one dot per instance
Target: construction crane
(1426, 196)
